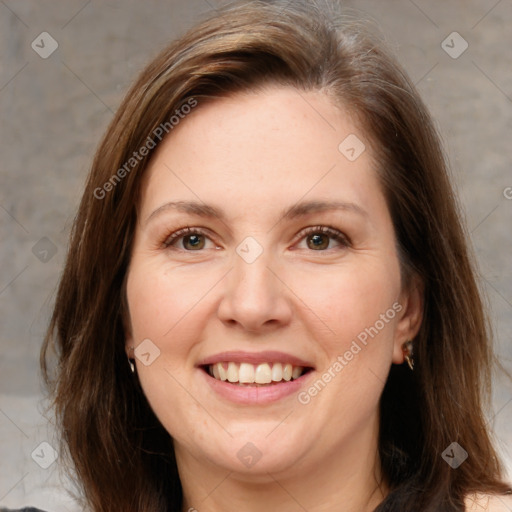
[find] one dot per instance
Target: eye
(193, 239)
(317, 237)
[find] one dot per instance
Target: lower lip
(249, 395)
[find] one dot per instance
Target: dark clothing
(26, 509)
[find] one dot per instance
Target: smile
(262, 374)
(255, 378)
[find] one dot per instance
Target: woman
(268, 300)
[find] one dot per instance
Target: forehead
(261, 150)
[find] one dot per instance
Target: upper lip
(268, 356)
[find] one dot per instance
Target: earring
(131, 362)
(407, 350)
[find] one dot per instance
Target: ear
(409, 317)
(128, 337)
(127, 326)
(129, 347)
(125, 318)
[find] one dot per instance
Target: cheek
(352, 298)
(160, 298)
(361, 310)
(357, 356)
(161, 309)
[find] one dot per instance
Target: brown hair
(123, 457)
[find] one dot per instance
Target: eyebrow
(298, 210)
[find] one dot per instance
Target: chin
(259, 451)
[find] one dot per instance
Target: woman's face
(287, 274)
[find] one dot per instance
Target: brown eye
(318, 241)
(186, 239)
(196, 241)
(318, 238)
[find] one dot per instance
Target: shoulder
(489, 503)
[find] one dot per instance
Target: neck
(348, 475)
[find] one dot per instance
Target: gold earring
(407, 350)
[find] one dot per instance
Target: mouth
(245, 374)
(255, 378)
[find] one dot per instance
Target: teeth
(232, 372)
(287, 372)
(263, 374)
(297, 370)
(246, 373)
(277, 372)
(222, 371)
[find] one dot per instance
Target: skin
(252, 155)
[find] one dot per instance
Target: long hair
(122, 456)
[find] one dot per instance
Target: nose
(255, 297)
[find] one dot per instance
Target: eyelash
(332, 232)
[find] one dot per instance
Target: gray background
(55, 110)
